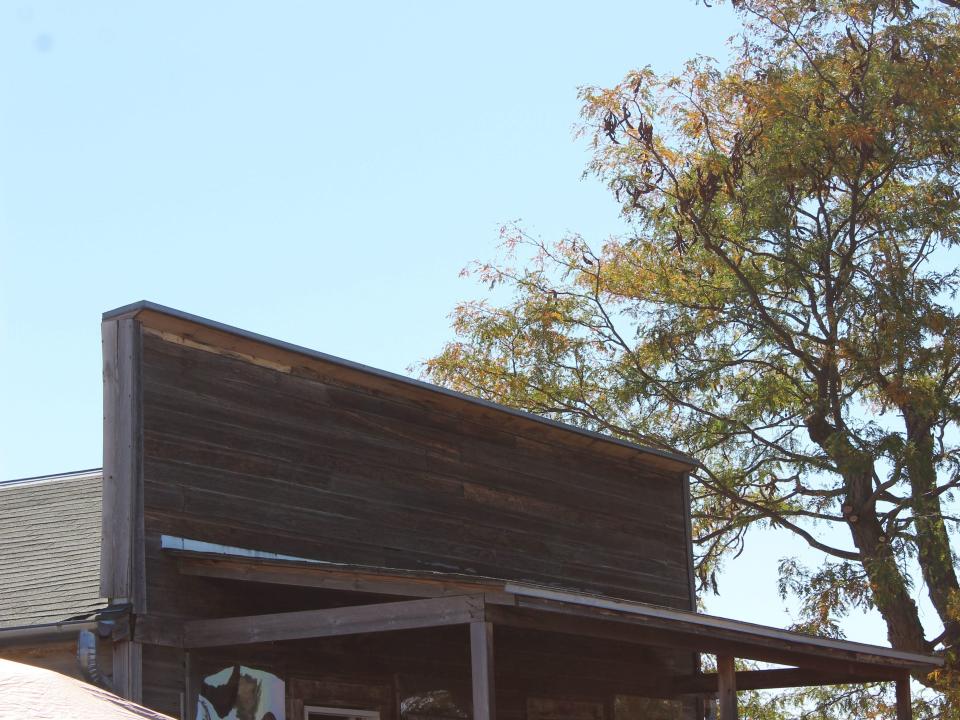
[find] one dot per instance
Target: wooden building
(307, 537)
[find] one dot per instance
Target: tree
(781, 305)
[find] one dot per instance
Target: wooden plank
(290, 529)
(482, 671)
(121, 561)
(163, 679)
(338, 473)
(153, 630)
(904, 702)
(128, 669)
(116, 500)
(232, 392)
(727, 687)
(190, 492)
(298, 473)
(318, 576)
(353, 620)
(231, 342)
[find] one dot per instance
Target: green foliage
(828, 593)
(782, 305)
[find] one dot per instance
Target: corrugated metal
(49, 549)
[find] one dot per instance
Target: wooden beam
(727, 694)
(904, 702)
(153, 630)
(767, 679)
(189, 688)
(482, 670)
(121, 555)
(353, 620)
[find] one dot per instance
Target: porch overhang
(527, 605)
(441, 599)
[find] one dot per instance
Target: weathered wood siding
(307, 463)
(244, 455)
(59, 656)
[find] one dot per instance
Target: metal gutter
(134, 308)
(45, 633)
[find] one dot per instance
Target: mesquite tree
(781, 305)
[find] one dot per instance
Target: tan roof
(32, 692)
(50, 549)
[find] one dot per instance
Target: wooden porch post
(127, 669)
(728, 687)
(904, 707)
(481, 662)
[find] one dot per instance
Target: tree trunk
(933, 544)
(888, 586)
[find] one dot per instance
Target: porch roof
(814, 660)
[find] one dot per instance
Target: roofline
(134, 308)
(37, 479)
(43, 632)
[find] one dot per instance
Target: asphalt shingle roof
(50, 549)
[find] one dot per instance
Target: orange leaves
(692, 124)
(862, 137)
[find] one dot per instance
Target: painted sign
(241, 693)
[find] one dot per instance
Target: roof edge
(718, 621)
(133, 309)
(35, 479)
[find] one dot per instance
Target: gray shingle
(50, 549)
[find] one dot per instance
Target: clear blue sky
(317, 172)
